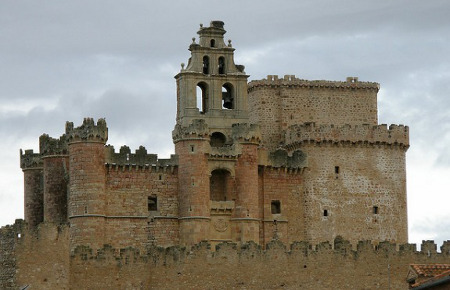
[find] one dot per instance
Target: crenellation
(88, 131)
(428, 247)
(51, 146)
(397, 135)
(267, 179)
(30, 160)
(292, 81)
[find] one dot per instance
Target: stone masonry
(258, 166)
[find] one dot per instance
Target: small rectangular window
(192, 148)
(152, 203)
(375, 210)
(336, 169)
(325, 212)
(275, 207)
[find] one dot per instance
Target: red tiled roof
(430, 270)
(428, 273)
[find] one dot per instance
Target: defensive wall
(300, 265)
(278, 103)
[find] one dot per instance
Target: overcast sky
(66, 60)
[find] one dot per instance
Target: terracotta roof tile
(430, 270)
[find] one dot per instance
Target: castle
(278, 159)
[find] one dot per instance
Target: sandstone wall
(131, 220)
(276, 104)
(286, 187)
(356, 191)
(42, 261)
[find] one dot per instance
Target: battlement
(197, 129)
(397, 135)
(52, 146)
(30, 160)
(246, 133)
(291, 81)
(88, 131)
(139, 158)
(280, 158)
(254, 251)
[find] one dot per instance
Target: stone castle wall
(355, 191)
(42, 261)
(278, 103)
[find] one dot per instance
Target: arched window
(217, 139)
(213, 43)
(202, 97)
(206, 65)
(221, 65)
(221, 185)
(227, 96)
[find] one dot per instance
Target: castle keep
(278, 157)
(257, 165)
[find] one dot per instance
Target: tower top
(211, 86)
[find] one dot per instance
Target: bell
(227, 100)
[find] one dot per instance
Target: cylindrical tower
(246, 219)
(191, 146)
(86, 207)
(56, 173)
(31, 164)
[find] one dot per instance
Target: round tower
(31, 164)
(86, 206)
(56, 172)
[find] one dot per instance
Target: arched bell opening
(221, 185)
(202, 97)
(206, 65)
(227, 96)
(221, 65)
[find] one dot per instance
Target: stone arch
(202, 95)
(228, 96)
(206, 65)
(221, 65)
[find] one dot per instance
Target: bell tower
(212, 87)
(215, 144)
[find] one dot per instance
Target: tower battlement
(362, 134)
(52, 146)
(88, 131)
(30, 160)
(293, 81)
(140, 158)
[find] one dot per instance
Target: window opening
(213, 43)
(152, 203)
(192, 148)
(221, 65)
(275, 207)
(325, 212)
(375, 210)
(206, 65)
(336, 169)
(227, 97)
(221, 185)
(217, 139)
(202, 97)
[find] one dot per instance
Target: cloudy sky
(66, 60)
